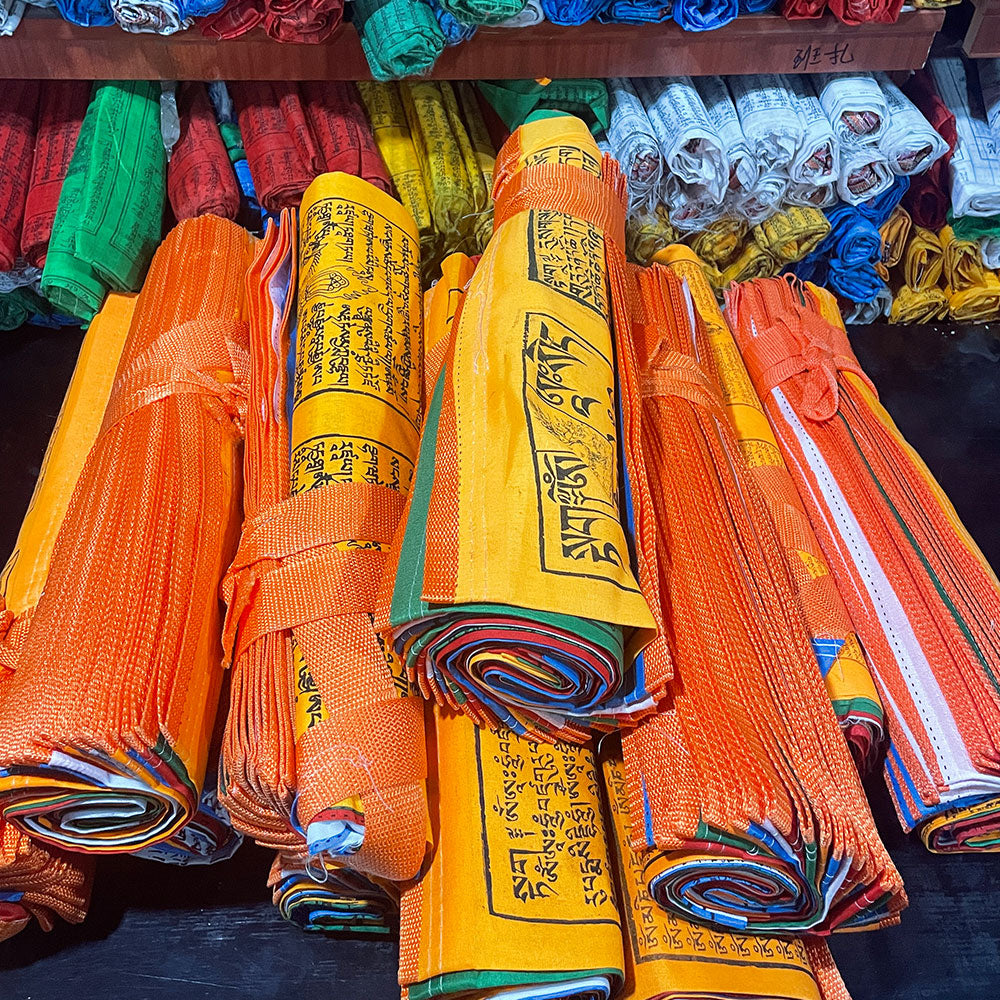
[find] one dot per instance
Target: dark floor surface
(158, 933)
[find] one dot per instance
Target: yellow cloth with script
(753, 262)
(923, 260)
(648, 231)
(483, 158)
(791, 234)
(395, 143)
(720, 242)
(973, 291)
(76, 428)
(441, 302)
(670, 958)
(849, 682)
(519, 891)
(895, 232)
(911, 306)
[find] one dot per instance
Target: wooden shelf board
(54, 49)
(982, 40)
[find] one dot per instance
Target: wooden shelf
(54, 49)
(982, 40)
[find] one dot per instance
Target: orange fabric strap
(672, 373)
(13, 631)
(818, 353)
(562, 188)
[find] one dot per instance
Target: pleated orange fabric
(743, 791)
(922, 596)
(106, 724)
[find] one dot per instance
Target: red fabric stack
(928, 198)
(200, 178)
(308, 21)
(18, 113)
(850, 12)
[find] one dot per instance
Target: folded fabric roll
(571, 11)
(752, 262)
(88, 13)
(455, 31)
(302, 21)
(704, 15)
(769, 115)
(811, 195)
(975, 162)
(769, 192)
(456, 188)
(971, 227)
(147, 537)
(18, 306)
(399, 37)
(865, 173)
(340, 129)
(469, 610)
(515, 100)
(633, 144)
(161, 17)
(636, 12)
(910, 143)
(923, 259)
(647, 232)
(756, 6)
(800, 851)
(878, 209)
(342, 901)
(853, 12)
(790, 235)
(18, 115)
(895, 233)
(356, 375)
(236, 18)
(920, 592)
(989, 250)
(482, 11)
(692, 207)
(817, 159)
(855, 105)
(838, 653)
(928, 199)
(692, 150)
(395, 143)
(280, 173)
(865, 314)
(530, 14)
(720, 242)
(973, 292)
(62, 107)
(200, 178)
(988, 71)
(11, 12)
(667, 956)
(744, 169)
(912, 306)
(479, 154)
(793, 10)
(110, 213)
(518, 900)
(250, 213)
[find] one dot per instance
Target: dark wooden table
(158, 933)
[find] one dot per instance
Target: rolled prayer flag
(670, 958)
(920, 592)
(571, 11)
(910, 143)
(743, 794)
(636, 12)
(531, 13)
(793, 10)
(923, 259)
(855, 105)
(633, 144)
(973, 291)
(911, 306)
(835, 645)
(704, 15)
(483, 11)
(110, 214)
(811, 195)
(879, 208)
(302, 21)
(648, 232)
(479, 154)
(753, 261)
(867, 313)
(928, 200)
(817, 159)
(744, 169)
(515, 100)
(895, 233)
(472, 605)
(769, 116)
(455, 32)
(865, 173)
(236, 18)
(62, 107)
(399, 37)
(88, 13)
(721, 242)
(518, 898)
(854, 12)
(200, 178)
(692, 150)
(113, 759)
(19, 305)
(18, 117)
(790, 235)
(766, 197)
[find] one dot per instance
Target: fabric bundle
(399, 37)
(919, 591)
(200, 178)
(62, 107)
(515, 101)
(18, 113)
(668, 956)
(744, 169)
(834, 643)
(455, 32)
(11, 12)
(928, 200)
(973, 291)
(743, 793)
(789, 235)
(817, 159)
(482, 11)
(303, 21)
(521, 607)
(769, 117)
(855, 105)
(636, 12)
(530, 14)
(518, 897)
(229, 129)
(633, 144)
(910, 143)
(704, 15)
(308, 565)
(853, 12)
(648, 232)
(895, 233)
(846, 259)
(110, 213)
(975, 162)
(113, 758)
(571, 11)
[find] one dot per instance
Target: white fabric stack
(768, 110)
(910, 143)
(635, 146)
